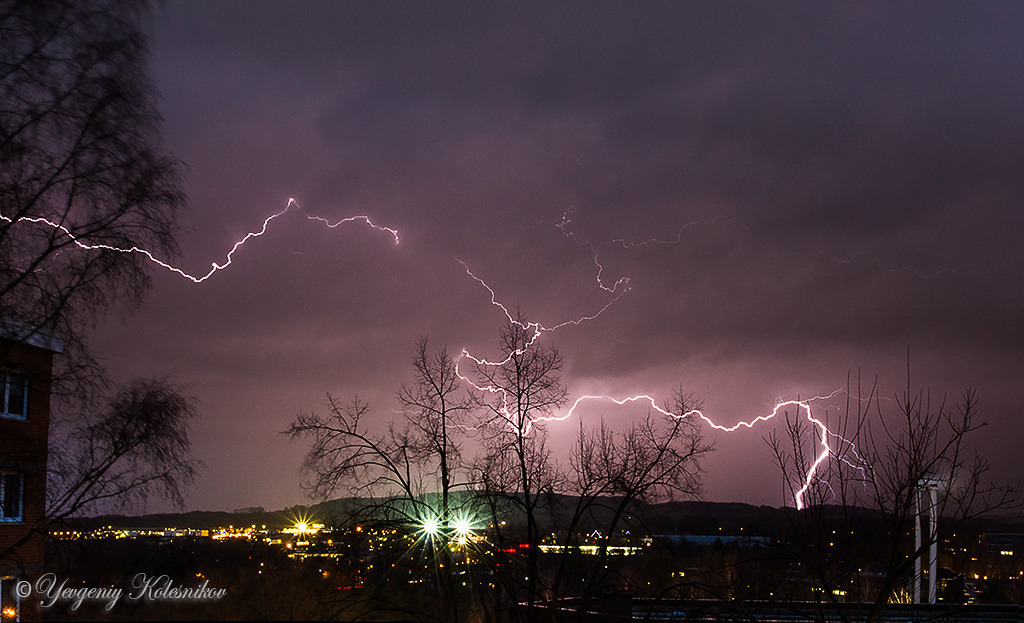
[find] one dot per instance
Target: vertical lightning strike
(621, 286)
(534, 331)
(215, 267)
(802, 405)
(535, 328)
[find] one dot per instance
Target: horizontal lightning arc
(563, 226)
(215, 267)
(534, 331)
(803, 405)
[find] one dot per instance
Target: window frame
(4, 493)
(6, 376)
(9, 594)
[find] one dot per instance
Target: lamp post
(926, 486)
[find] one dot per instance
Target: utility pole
(926, 486)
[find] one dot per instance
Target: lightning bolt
(826, 449)
(803, 405)
(534, 330)
(957, 270)
(215, 267)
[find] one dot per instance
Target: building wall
(23, 449)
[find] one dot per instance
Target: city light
(303, 525)
(462, 527)
(430, 527)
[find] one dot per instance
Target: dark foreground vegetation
(748, 559)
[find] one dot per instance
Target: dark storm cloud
(837, 182)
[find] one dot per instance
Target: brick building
(26, 364)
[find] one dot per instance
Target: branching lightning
(823, 433)
(563, 225)
(802, 405)
(215, 267)
(957, 270)
(534, 330)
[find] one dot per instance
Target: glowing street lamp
(430, 527)
(462, 529)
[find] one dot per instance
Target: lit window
(13, 394)
(10, 605)
(11, 489)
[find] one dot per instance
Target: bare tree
(79, 162)
(435, 404)
(83, 187)
(411, 471)
(123, 454)
(860, 511)
(134, 448)
(346, 455)
(656, 459)
(517, 394)
(402, 470)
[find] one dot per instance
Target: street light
(430, 526)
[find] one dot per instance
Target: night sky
(826, 185)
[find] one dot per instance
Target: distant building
(709, 540)
(1003, 544)
(26, 368)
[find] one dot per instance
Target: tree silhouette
(79, 160)
(135, 446)
(516, 467)
(407, 473)
(449, 460)
(857, 526)
(80, 164)
(655, 459)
